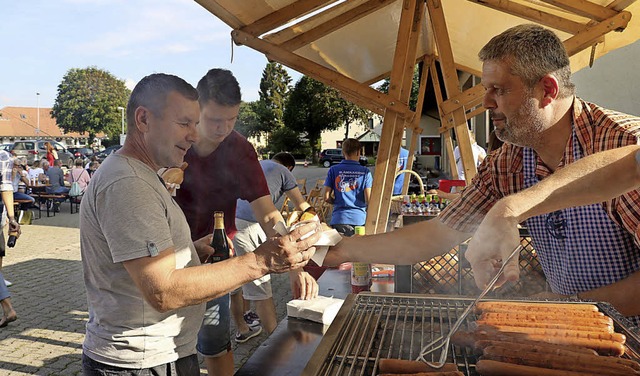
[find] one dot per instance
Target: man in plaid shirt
(589, 250)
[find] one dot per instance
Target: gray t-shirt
(279, 180)
(127, 213)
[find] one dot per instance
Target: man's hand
(203, 248)
(14, 226)
(493, 242)
(303, 285)
(284, 253)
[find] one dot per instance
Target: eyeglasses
(555, 224)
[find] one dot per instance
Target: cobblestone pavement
(49, 297)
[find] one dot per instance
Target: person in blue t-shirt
(350, 184)
(402, 165)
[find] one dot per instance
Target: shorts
(185, 366)
(249, 237)
(3, 244)
(344, 230)
(214, 338)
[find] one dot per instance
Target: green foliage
(88, 101)
(274, 88)
(248, 123)
(284, 139)
(415, 88)
(313, 107)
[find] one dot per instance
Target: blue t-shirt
(279, 180)
(402, 164)
(349, 180)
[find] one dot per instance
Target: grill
(372, 326)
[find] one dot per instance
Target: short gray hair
(532, 52)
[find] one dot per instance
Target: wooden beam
(393, 126)
(415, 124)
(387, 74)
(284, 15)
(334, 24)
(587, 37)
(321, 73)
(468, 98)
(619, 5)
(532, 14)
(584, 8)
(476, 112)
(452, 86)
(219, 11)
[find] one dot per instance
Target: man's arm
(405, 246)
(167, 288)
(367, 195)
(7, 199)
(327, 195)
(596, 178)
(298, 200)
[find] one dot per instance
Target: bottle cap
(359, 230)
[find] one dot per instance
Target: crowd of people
(155, 300)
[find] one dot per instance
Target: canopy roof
(351, 44)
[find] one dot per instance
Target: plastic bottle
(360, 272)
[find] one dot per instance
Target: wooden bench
(48, 200)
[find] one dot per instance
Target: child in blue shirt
(350, 184)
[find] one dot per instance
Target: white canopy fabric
(362, 46)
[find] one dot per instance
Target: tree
(274, 88)
(415, 88)
(248, 123)
(312, 108)
(88, 101)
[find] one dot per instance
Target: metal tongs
(443, 341)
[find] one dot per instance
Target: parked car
(35, 150)
(330, 156)
(6, 147)
(106, 152)
(83, 153)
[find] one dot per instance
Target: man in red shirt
(224, 167)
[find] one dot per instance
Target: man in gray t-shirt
(144, 281)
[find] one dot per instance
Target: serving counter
(291, 345)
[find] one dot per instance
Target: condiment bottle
(360, 272)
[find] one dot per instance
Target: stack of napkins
(327, 239)
(321, 309)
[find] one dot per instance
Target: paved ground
(49, 296)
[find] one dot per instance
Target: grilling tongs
(443, 341)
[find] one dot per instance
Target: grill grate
(370, 327)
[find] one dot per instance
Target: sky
(40, 40)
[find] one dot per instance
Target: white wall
(612, 82)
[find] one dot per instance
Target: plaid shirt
(6, 168)
(502, 172)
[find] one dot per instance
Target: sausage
(568, 362)
(411, 366)
(547, 325)
(534, 346)
(617, 337)
(603, 347)
(451, 373)
(544, 310)
(549, 317)
(528, 306)
(488, 367)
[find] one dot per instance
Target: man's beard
(523, 128)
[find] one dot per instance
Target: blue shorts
(214, 338)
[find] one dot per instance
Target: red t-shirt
(217, 181)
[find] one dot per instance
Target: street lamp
(38, 114)
(122, 136)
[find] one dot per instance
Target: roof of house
(23, 122)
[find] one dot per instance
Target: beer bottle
(219, 242)
(13, 236)
(360, 272)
